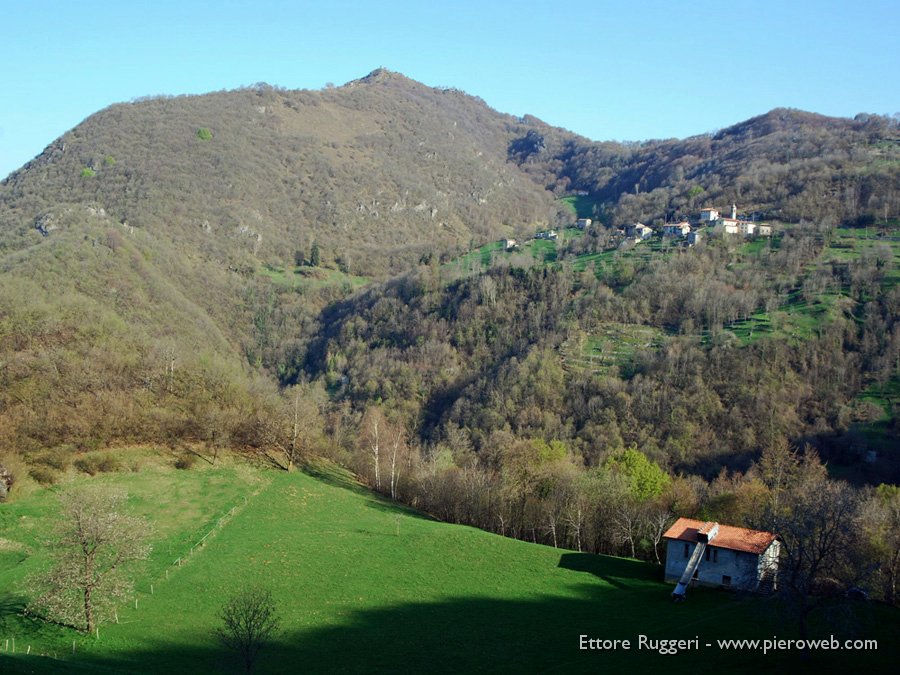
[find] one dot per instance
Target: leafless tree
(249, 620)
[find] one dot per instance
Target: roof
(734, 538)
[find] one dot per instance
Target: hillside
(366, 586)
(379, 172)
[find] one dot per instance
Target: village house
(747, 228)
(764, 231)
(708, 215)
(638, 231)
(547, 234)
(509, 244)
(728, 225)
(721, 556)
(677, 229)
(583, 223)
(693, 238)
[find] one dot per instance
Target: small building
(583, 223)
(638, 231)
(764, 230)
(547, 234)
(509, 244)
(677, 229)
(709, 215)
(720, 556)
(747, 228)
(693, 238)
(728, 225)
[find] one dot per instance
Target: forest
(319, 281)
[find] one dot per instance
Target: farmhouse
(547, 234)
(708, 215)
(710, 554)
(509, 244)
(583, 223)
(638, 231)
(677, 229)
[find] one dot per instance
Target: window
(715, 555)
(687, 550)
(726, 580)
(712, 554)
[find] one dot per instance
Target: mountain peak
(381, 75)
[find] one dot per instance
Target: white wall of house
(720, 567)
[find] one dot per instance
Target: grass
(611, 347)
(366, 586)
(581, 206)
(305, 277)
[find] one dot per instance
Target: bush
(185, 461)
(58, 458)
(45, 476)
(88, 172)
(204, 134)
(94, 464)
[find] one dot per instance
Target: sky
(606, 69)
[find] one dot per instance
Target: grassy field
(366, 586)
(610, 348)
(581, 206)
(311, 277)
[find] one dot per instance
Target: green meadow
(363, 585)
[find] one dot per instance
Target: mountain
(167, 264)
(378, 171)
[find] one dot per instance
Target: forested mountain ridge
(785, 164)
(380, 167)
(171, 265)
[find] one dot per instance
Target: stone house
(721, 556)
(638, 231)
(677, 229)
(708, 215)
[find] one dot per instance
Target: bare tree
(659, 518)
(397, 448)
(373, 424)
(820, 543)
(94, 540)
(249, 620)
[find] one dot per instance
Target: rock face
(6, 481)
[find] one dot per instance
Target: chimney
(708, 532)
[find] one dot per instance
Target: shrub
(45, 476)
(88, 172)
(94, 464)
(185, 461)
(204, 134)
(58, 458)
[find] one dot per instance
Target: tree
(816, 521)
(315, 257)
(249, 620)
(94, 541)
(880, 521)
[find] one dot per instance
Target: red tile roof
(734, 538)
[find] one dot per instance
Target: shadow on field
(533, 634)
(611, 570)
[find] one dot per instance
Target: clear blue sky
(605, 69)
